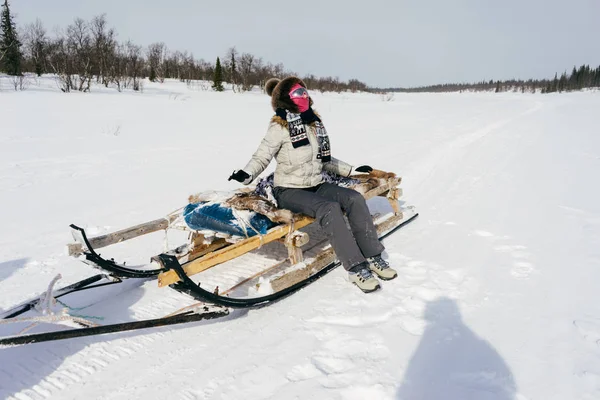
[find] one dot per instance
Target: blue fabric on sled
(218, 218)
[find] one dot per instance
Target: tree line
(580, 78)
(88, 51)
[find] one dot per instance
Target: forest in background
(88, 51)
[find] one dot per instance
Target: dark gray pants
(327, 204)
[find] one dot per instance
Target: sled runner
(239, 251)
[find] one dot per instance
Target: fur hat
(279, 91)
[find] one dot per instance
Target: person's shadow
(453, 363)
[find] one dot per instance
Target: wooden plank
(378, 191)
(230, 252)
(119, 236)
(198, 252)
(383, 189)
(294, 253)
(74, 249)
(297, 275)
(389, 223)
(248, 279)
(393, 196)
(299, 239)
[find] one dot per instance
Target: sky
(397, 43)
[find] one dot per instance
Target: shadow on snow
(452, 362)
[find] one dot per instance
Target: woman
(298, 140)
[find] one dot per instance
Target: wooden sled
(229, 271)
(299, 250)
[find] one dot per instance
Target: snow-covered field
(497, 295)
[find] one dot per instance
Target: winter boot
(381, 268)
(362, 277)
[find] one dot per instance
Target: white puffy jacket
(296, 167)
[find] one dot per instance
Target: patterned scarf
(298, 134)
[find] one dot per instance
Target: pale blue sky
(383, 43)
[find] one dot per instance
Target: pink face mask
(299, 96)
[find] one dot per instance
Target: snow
(498, 278)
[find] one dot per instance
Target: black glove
(239, 175)
(363, 168)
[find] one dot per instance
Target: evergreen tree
(582, 77)
(233, 70)
(39, 66)
(573, 79)
(562, 83)
(554, 83)
(10, 47)
(589, 76)
(218, 77)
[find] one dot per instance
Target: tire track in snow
(522, 267)
(73, 370)
(447, 153)
(48, 369)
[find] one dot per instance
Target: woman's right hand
(240, 175)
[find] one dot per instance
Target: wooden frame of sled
(202, 253)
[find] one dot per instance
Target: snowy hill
(497, 294)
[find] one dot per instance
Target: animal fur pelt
(372, 180)
(258, 204)
(380, 174)
(366, 185)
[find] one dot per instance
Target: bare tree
(173, 65)
(231, 68)
(103, 48)
(311, 81)
(36, 44)
(205, 70)
(246, 70)
(60, 61)
(263, 73)
(188, 68)
(135, 64)
(19, 82)
(79, 43)
(156, 57)
(117, 72)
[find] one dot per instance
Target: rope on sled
(46, 299)
(53, 319)
(66, 306)
(44, 306)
